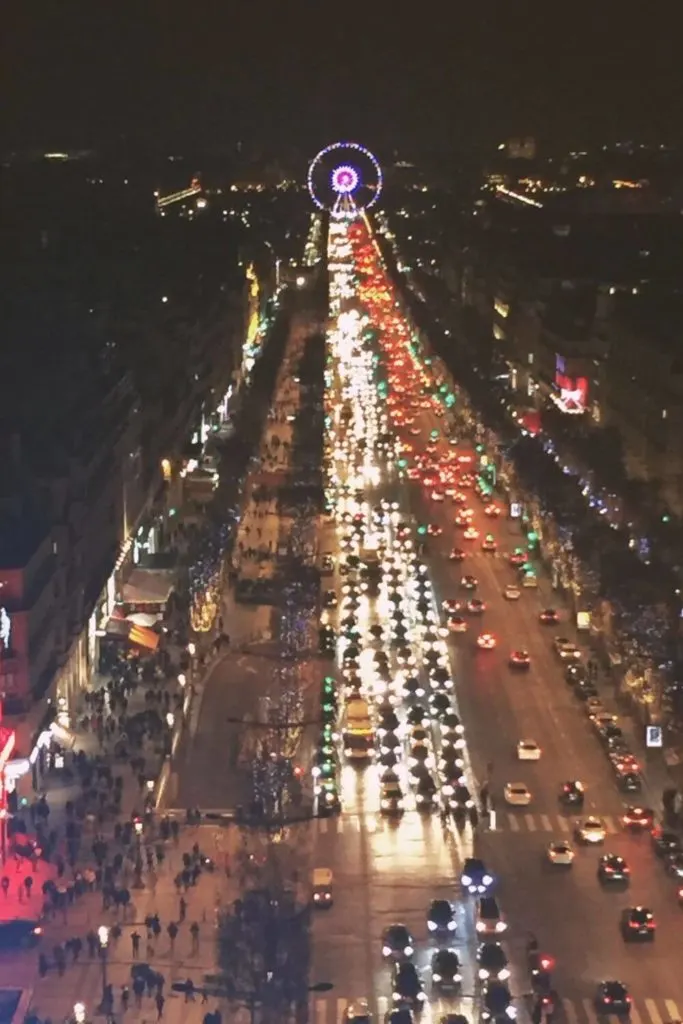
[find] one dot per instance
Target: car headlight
(500, 926)
(504, 974)
(385, 804)
(487, 880)
(466, 880)
(315, 772)
(448, 791)
(451, 926)
(432, 926)
(481, 926)
(386, 950)
(483, 974)
(395, 996)
(436, 977)
(408, 951)
(511, 1012)
(316, 897)
(420, 799)
(421, 996)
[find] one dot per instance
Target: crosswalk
(504, 821)
(332, 1010)
(556, 823)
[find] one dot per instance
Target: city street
(388, 873)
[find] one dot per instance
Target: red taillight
(546, 962)
(650, 924)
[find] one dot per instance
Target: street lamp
(103, 936)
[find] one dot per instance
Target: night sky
(159, 71)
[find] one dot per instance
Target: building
(122, 335)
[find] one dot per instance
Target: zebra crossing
(508, 821)
(504, 821)
(332, 1010)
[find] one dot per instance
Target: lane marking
(634, 1015)
(671, 1009)
(608, 822)
(589, 1010)
(514, 824)
(570, 1013)
(651, 1007)
(546, 823)
(530, 822)
(563, 824)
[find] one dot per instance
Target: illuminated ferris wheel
(345, 178)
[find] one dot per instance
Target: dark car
(638, 924)
(397, 942)
(440, 917)
(613, 869)
(496, 1002)
(425, 793)
(416, 714)
(440, 704)
(637, 818)
(446, 970)
(476, 879)
(493, 962)
(413, 688)
(407, 985)
(388, 722)
(611, 997)
(20, 933)
(401, 1015)
(666, 844)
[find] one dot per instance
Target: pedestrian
(189, 991)
(182, 908)
(135, 942)
(194, 932)
(160, 1005)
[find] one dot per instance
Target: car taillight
(650, 924)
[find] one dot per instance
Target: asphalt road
(575, 919)
(388, 873)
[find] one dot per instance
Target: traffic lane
(530, 704)
(576, 919)
(212, 764)
(539, 702)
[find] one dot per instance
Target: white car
(591, 830)
(560, 853)
(528, 750)
(512, 593)
(517, 794)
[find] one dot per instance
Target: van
(488, 918)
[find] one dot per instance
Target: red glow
(572, 393)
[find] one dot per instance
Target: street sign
(654, 736)
(515, 510)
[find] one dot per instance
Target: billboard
(571, 393)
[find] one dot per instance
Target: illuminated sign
(571, 395)
(5, 630)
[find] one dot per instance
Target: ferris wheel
(345, 178)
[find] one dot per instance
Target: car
(407, 986)
(441, 916)
(566, 650)
(517, 794)
(517, 558)
(590, 830)
(519, 660)
(528, 750)
(489, 544)
(412, 688)
(469, 582)
(416, 714)
(674, 866)
(492, 510)
(488, 918)
(452, 606)
(391, 801)
(628, 781)
(400, 1015)
(389, 741)
(638, 924)
(457, 624)
(358, 1012)
(486, 641)
(613, 869)
(576, 674)
(666, 844)
(388, 721)
(397, 942)
(419, 757)
(572, 793)
(20, 933)
(512, 593)
(470, 533)
(493, 962)
(425, 793)
(612, 997)
(475, 606)
(439, 704)
(457, 555)
(434, 530)
(419, 736)
(638, 817)
(476, 879)
(446, 970)
(497, 1003)
(549, 617)
(330, 599)
(560, 853)
(460, 799)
